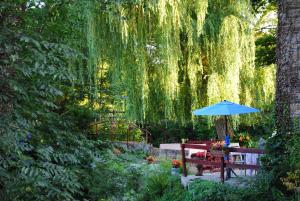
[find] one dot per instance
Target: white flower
(273, 134)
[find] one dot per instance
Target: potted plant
(176, 164)
(217, 148)
(244, 139)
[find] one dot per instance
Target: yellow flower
(248, 138)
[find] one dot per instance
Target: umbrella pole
(226, 125)
(228, 170)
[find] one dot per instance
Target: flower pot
(175, 171)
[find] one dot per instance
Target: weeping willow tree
(172, 56)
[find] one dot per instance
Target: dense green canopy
(170, 57)
(155, 59)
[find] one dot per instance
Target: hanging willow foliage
(172, 56)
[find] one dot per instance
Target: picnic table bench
(221, 163)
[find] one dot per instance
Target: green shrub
(116, 178)
(210, 191)
(156, 185)
(258, 189)
(174, 191)
(161, 187)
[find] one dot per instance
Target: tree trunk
(221, 128)
(288, 65)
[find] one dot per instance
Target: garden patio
(100, 100)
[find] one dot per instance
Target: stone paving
(240, 181)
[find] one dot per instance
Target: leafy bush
(115, 177)
(174, 191)
(162, 186)
(82, 116)
(292, 180)
(43, 156)
(172, 131)
(283, 157)
(202, 129)
(260, 190)
(209, 191)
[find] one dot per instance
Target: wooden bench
(222, 164)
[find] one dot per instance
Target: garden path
(241, 181)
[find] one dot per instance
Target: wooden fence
(222, 164)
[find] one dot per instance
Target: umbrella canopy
(225, 108)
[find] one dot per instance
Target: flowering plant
(117, 151)
(219, 148)
(292, 181)
(150, 159)
(176, 163)
(244, 139)
(219, 145)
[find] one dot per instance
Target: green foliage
(160, 185)
(258, 189)
(156, 185)
(82, 116)
(120, 130)
(115, 177)
(166, 57)
(265, 53)
(259, 5)
(263, 126)
(174, 191)
(292, 181)
(291, 178)
(42, 154)
(282, 159)
(210, 191)
(171, 132)
(169, 58)
(203, 130)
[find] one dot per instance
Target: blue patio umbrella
(225, 108)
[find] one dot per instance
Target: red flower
(200, 154)
(176, 163)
